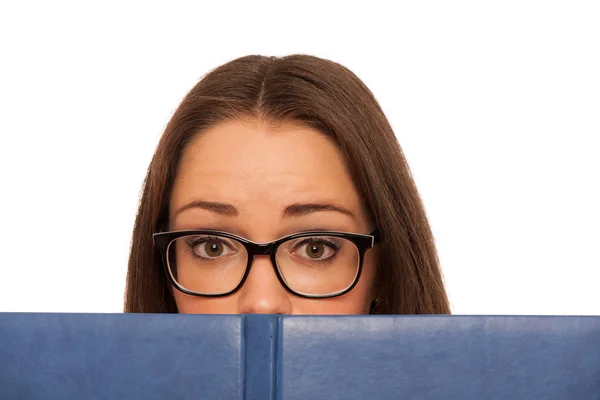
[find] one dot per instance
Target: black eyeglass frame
(162, 240)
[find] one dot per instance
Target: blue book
(137, 356)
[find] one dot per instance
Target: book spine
(260, 344)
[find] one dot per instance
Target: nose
(262, 293)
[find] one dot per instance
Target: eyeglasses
(316, 264)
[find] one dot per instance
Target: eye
(316, 249)
(213, 249)
(210, 247)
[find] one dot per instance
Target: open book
(137, 356)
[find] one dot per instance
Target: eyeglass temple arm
(376, 236)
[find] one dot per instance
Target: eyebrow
(293, 210)
(300, 209)
(220, 208)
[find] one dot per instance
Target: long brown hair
(324, 95)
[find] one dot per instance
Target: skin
(260, 169)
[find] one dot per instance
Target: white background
(496, 105)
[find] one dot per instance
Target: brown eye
(213, 249)
(315, 250)
(209, 248)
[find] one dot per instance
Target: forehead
(256, 165)
(249, 146)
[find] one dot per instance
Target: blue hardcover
(439, 357)
(134, 356)
(120, 356)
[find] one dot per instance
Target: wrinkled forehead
(261, 169)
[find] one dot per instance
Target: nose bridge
(262, 249)
(263, 293)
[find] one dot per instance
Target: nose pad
(262, 293)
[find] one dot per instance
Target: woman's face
(244, 175)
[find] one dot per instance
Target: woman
(279, 187)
